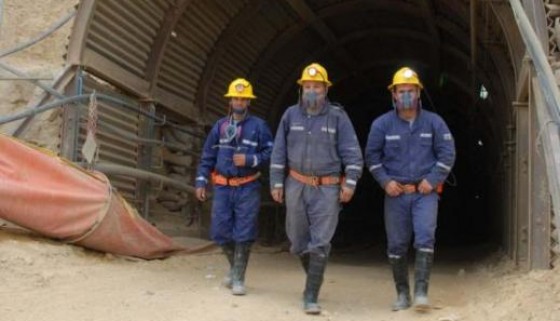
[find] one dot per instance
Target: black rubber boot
(304, 259)
(315, 272)
(240, 260)
(400, 276)
(229, 252)
(423, 267)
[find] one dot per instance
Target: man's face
(406, 97)
(239, 105)
(313, 95)
(314, 86)
(404, 89)
(238, 102)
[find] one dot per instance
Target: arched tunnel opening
(467, 57)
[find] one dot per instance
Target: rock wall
(21, 21)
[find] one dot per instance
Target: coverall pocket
(427, 142)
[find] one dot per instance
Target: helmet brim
(300, 82)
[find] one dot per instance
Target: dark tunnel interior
(361, 48)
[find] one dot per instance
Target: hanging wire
(57, 25)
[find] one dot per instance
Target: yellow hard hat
(405, 75)
(314, 72)
(240, 88)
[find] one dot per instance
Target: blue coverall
(321, 145)
(409, 152)
(235, 209)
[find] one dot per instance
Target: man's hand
(201, 193)
(346, 194)
(239, 160)
(277, 194)
(393, 189)
(425, 187)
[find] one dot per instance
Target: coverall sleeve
(264, 149)
(279, 155)
(374, 153)
(444, 149)
(208, 158)
(349, 151)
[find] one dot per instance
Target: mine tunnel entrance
(184, 57)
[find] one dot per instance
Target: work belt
(409, 188)
(413, 188)
(316, 180)
(218, 179)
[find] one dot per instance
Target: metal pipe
(20, 74)
(79, 98)
(57, 25)
(119, 102)
(45, 107)
(115, 169)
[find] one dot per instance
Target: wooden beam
(523, 81)
(521, 210)
(540, 219)
(109, 70)
(177, 104)
(79, 31)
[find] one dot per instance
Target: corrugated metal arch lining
(174, 14)
(344, 8)
(289, 34)
(225, 39)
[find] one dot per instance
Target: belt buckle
(314, 180)
(233, 181)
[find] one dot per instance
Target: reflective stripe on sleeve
(442, 165)
(355, 167)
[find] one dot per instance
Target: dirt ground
(46, 280)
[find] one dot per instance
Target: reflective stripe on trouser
(311, 216)
(234, 213)
(407, 214)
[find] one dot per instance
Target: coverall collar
(324, 109)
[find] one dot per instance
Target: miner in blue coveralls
(410, 152)
(316, 162)
(236, 148)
